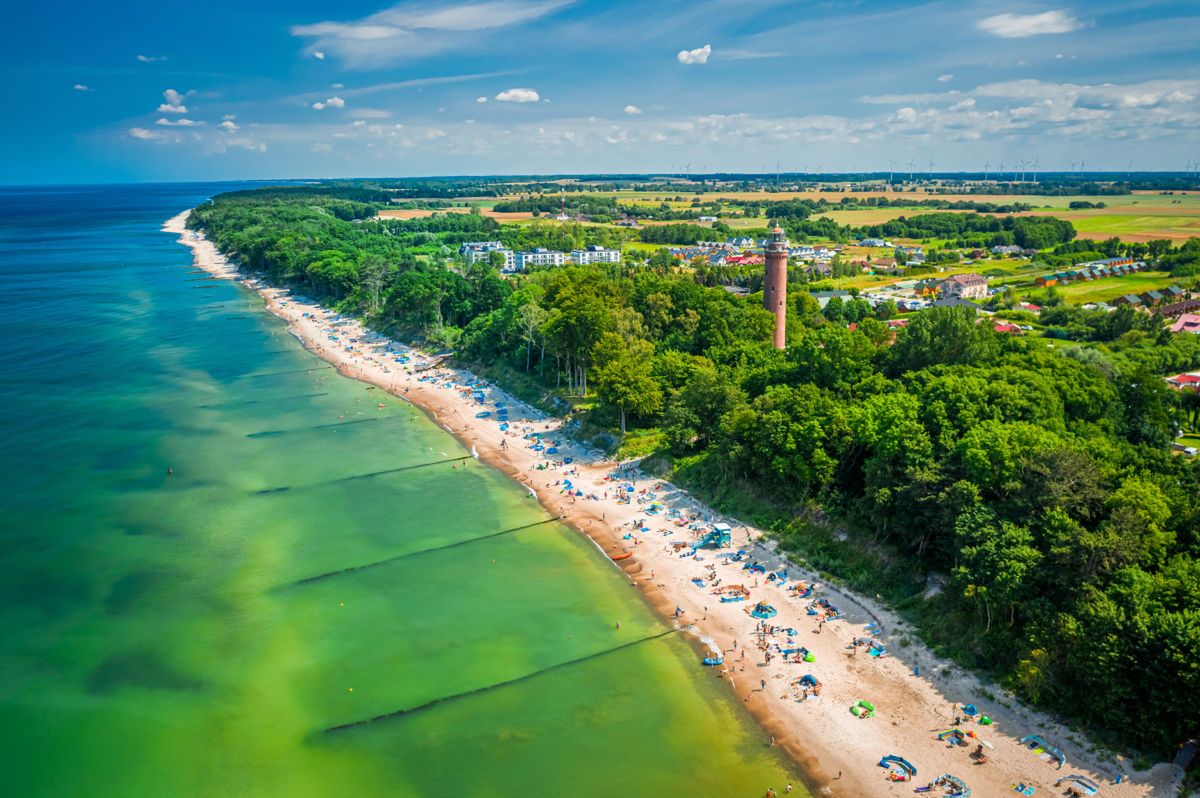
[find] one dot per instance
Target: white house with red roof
(964, 286)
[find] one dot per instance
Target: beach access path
(838, 751)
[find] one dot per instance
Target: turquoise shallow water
(154, 639)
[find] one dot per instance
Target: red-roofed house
(1188, 322)
(1185, 382)
(964, 286)
(1007, 327)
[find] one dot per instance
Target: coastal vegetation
(1018, 500)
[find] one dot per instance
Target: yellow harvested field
(421, 213)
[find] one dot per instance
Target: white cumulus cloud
(1018, 26)
(81, 87)
(173, 103)
(632, 110)
(481, 99)
(945, 78)
(698, 56)
(150, 59)
(332, 102)
(317, 54)
(518, 96)
(229, 125)
(177, 123)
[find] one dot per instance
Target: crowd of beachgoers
(836, 681)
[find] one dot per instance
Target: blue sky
(172, 91)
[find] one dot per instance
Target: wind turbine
(892, 168)
(931, 165)
(1129, 170)
(912, 165)
(1000, 171)
(986, 166)
(1037, 164)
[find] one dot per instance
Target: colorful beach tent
(1044, 749)
(863, 709)
(764, 611)
(955, 736)
(1083, 783)
(898, 763)
(952, 785)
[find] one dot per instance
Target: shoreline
(836, 751)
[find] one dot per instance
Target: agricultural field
(421, 213)
(1133, 217)
(1130, 227)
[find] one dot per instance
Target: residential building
(595, 254)
(926, 287)
(1152, 298)
(1187, 323)
(823, 297)
(1128, 299)
(875, 242)
(964, 286)
(1185, 382)
(539, 257)
(481, 251)
(951, 302)
(1176, 308)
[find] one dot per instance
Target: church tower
(775, 284)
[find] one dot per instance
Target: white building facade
(539, 257)
(477, 251)
(595, 254)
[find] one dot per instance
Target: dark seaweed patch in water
(140, 670)
(49, 592)
(129, 589)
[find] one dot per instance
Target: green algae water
(158, 637)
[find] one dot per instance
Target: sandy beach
(648, 528)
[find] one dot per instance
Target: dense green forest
(1033, 483)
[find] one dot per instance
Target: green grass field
(1134, 226)
(1110, 288)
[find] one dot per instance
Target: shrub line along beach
(649, 533)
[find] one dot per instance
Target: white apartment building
(595, 254)
(475, 251)
(538, 257)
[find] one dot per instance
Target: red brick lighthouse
(775, 284)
